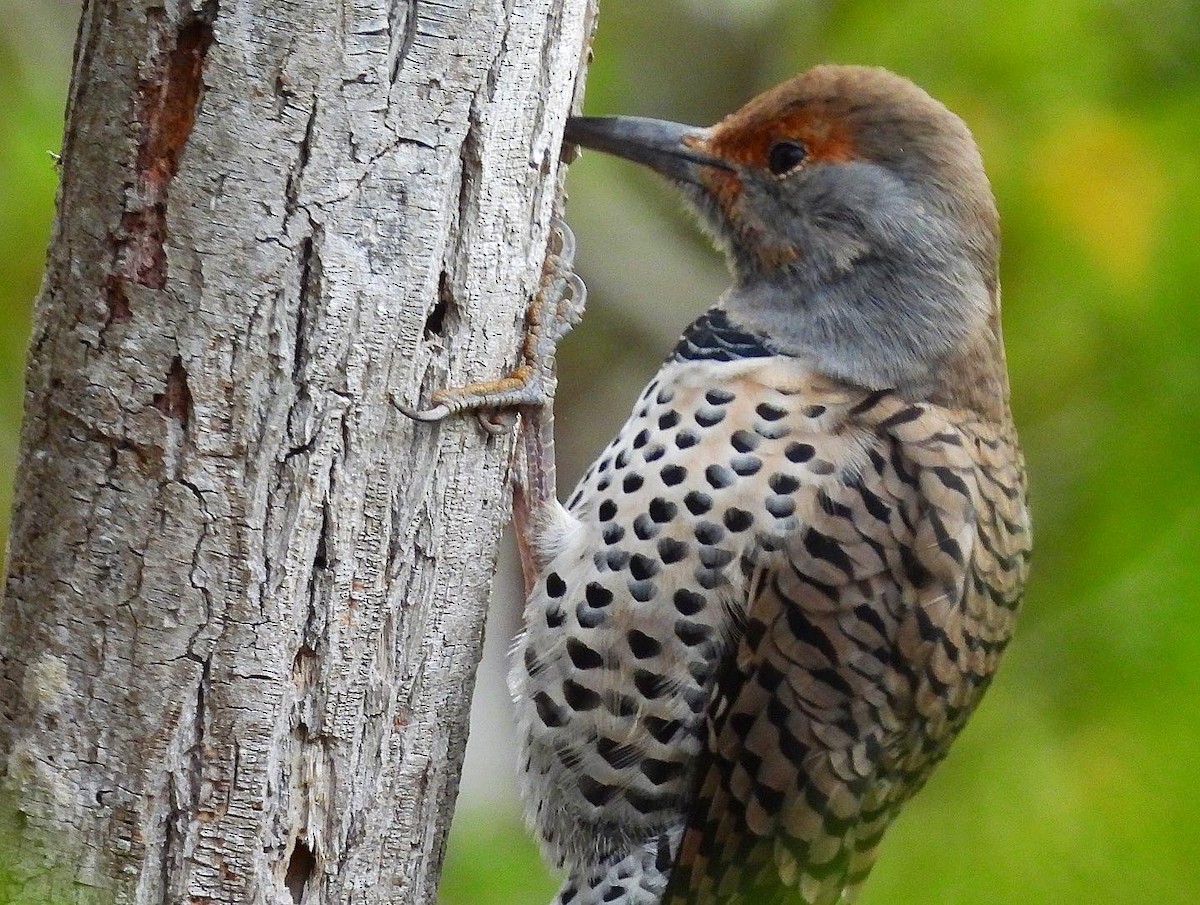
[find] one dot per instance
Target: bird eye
(785, 156)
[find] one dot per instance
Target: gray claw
(574, 313)
(566, 240)
(496, 422)
(436, 413)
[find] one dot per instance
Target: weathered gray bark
(245, 595)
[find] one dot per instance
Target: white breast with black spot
(630, 621)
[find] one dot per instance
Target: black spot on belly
(673, 474)
(583, 656)
(660, 771)
(595, 792)
(642, 645)
(744, 441)
(597, 595)
(642, 567)
(579, 697)
(718, 476)
(783, 483)
(671, 550)
(642, 591)
(689, 603)
(799, 452)
(644, 527)
(661, 510)
(548, 712)
(769, 412)
(738, 519)
(662, 730)
(652, 685)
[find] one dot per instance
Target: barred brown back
(869, 638)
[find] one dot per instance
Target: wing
(869, 637)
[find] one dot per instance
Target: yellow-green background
(1078, 780)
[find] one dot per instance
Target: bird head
(854, 211)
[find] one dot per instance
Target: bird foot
(557, 307)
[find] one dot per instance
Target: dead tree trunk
(245, 595)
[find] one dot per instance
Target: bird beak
(674, 150)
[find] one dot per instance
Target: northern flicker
(776, 597)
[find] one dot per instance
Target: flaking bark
(245, 595)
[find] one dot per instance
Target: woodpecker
(777, 596)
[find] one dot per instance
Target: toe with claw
(556, 308)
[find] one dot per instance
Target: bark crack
(307, 306)
(196, 571)
(303, 152)
(403, 20)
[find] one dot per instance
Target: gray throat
(880, 326)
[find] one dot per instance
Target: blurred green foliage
(1079, 779)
